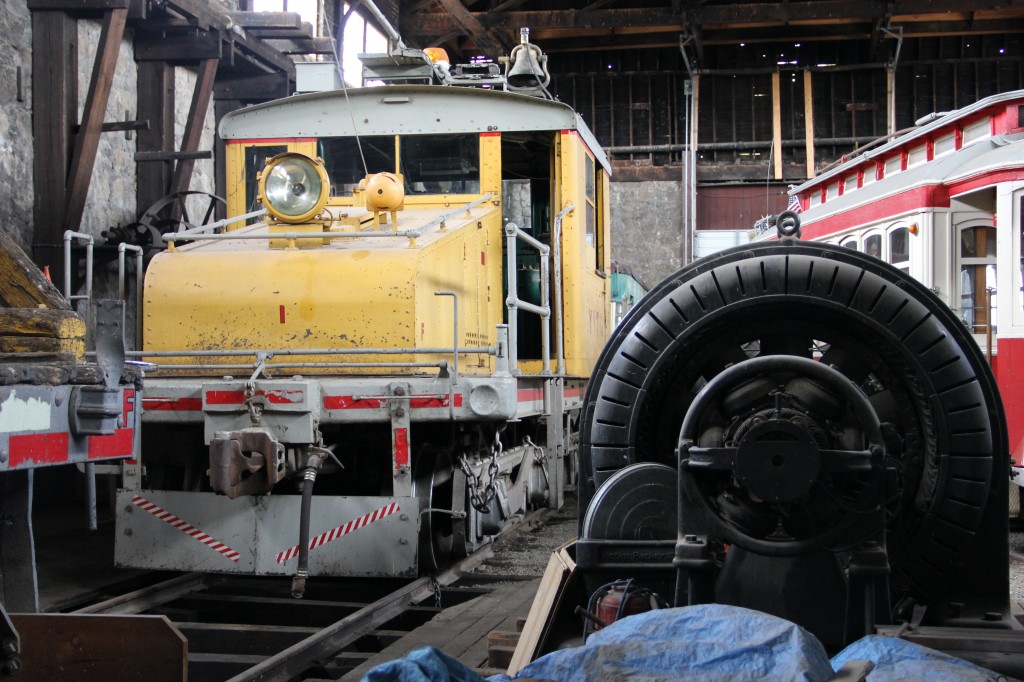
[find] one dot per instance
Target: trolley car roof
(985, 156)
(405, 110)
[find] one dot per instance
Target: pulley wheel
(638, 502)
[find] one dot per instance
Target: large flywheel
(787, 456)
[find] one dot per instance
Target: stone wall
(646, 230)
(16, 153)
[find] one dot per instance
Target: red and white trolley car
(944, 203)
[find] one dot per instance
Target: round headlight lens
(293, 187)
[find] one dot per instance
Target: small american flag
(794, 204)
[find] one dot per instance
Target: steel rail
(154, 595)
(297, 658)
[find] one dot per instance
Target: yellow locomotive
(386, 368)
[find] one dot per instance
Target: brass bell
(526, 70)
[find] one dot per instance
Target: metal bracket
(401, 458)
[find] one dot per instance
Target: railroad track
(249, 629)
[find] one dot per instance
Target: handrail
(200, 229)
(138, 251)
(477, 350)
(514, 303)
(69, 236)
(200, 233)
(455, 349)
(556, 239)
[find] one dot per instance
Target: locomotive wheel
(433, 485)
(923, 375)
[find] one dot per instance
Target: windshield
(432, 164)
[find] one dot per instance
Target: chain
(437, 590)
(480, 495)
(255, 409)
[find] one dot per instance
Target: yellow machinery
(404, 307)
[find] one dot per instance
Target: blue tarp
(708, 642)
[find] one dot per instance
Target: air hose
(313, 464)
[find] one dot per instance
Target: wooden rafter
(728, 15)
(485, 40)
(87, 141)
(194, 125)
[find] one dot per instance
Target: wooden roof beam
(266, 20)
(709, 16)
(485, 40)
(302, 45)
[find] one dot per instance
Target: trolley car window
(344, 162)
(850, 243)
(873, 245)
(977, 277)
(899, 248)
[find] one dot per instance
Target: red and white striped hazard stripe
(185, 527)
(343, 529)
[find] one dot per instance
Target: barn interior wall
(645, 231)
(635, 102)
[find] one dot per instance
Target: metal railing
(202, 232)
(556, 238)
(69, 237)
(544, 311)
(515, 304)
(121, 288)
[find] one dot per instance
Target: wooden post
(194, 125)
(88, 139)
(54, 110)
(156, 105)
(777, 124)
(809, 123)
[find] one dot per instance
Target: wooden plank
(303, 30)
(256, 20)
(19, 369)
(777, 125)
(961, 639)
(58, 324)
(90, 648)
(145, 157)
(460, 631)
(302, 46)
(182, 176)
(42, 344)
(242, 639)
(54, 110)
(22, 284)
(556, 577)
(252, 88)
(809, 123)
(77, 5)
(186, 47)
(83, 158)
(472, 646)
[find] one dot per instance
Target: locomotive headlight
(294, 187)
